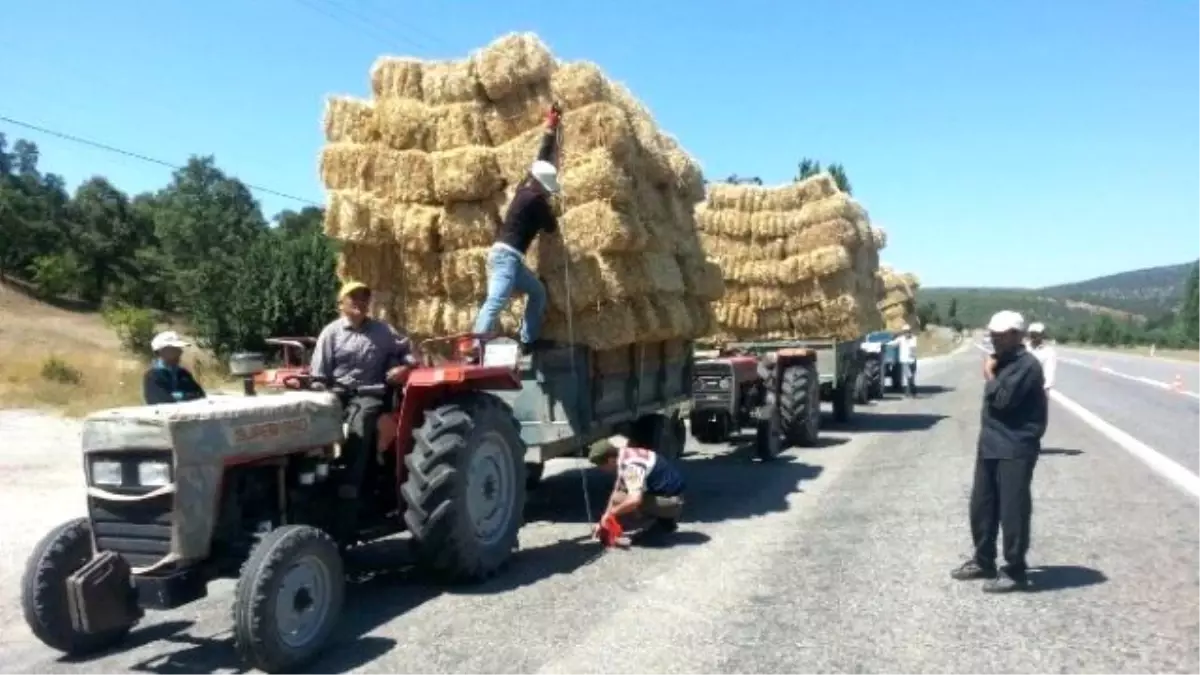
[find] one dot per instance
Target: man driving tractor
(647, 483)
(357, 352)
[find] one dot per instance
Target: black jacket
(163, 384)
(530, 212)
(1014, 409)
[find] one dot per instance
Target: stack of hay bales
(798, 260)
(420, 176)
(898, 299)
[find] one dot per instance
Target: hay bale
(465, 174)
(468, 225)
(879, 238)
(602, 227)
(512, 63)
(578, 84)
(586, 132)
(834, 232)
(358, 217)
(817, 263)
(623, 276)
(596, 177)
(393, 77)
(587, 287)
(415, 227)
(394, 175)
(519, 114)
(404, 124)
(457, 125)
(464, 273)
(790, 197)
(704, 320)
(603, 326)
(675, 315)
(664, 273)
(702, 278)
(648, 322)
(350, 120)
(450, 82)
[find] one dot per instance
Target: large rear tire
(710, 428)
(465, 491)
(800, 404)
(288, 598)
(843, 401)
(61, 553)
(768, 431)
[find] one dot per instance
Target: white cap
(1037, 327)
(545, 174)
(619, 442)
(167, 338)
(1005, 321)
(905, 327)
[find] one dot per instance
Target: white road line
(1133, 378)
(1165, 467)
(1158, 462)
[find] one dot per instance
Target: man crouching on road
(1012, 423)
(647, 483)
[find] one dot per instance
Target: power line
(144, 158)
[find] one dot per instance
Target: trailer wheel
(843, 401)
(800, 404)
(862, 392)
(464, 491)
(768, 431)
(874, 378)
(55, 558)
(288, 598)
(664, 434)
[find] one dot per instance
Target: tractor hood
(201, 438)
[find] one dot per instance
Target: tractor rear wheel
(874, 378)
(465, 490)
(800, 404)
(843, 400)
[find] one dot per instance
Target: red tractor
(248, 488)
(294, 356)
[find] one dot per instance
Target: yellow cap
(351, 286)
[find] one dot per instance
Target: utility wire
(144, 158)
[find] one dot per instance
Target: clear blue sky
(999, 143)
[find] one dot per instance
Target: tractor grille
(713, 386)
(139, 531)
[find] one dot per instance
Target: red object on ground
(610, 530)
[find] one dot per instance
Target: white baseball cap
(1005, 321)
(546, 175)
(167, 338)
(1037, 327)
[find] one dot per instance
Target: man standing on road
(1012, 423)
(907, 343)
(647, 483)
(1044, 352)
(357, 351)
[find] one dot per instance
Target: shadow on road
(1062, 577)
(721, 486)
(1068, 452)
(137, 638)
(863, 420)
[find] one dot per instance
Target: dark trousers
(1001, 499)
(362, 417)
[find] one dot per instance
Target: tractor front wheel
(464, 494)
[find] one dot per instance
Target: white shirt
(908, 348)
(1049, 360)
(633, 467)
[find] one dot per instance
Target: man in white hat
(167, 381)
(647, 483)
(1043, 351)
(1012, 423)
(907, 347)
(529, 214)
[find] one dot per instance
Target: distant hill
(1136, 296)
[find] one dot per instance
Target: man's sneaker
(1004, 583)
(971, 570)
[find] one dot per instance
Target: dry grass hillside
(56, 358)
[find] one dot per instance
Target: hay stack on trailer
(420, 176)
(898, 299)
(798, 260)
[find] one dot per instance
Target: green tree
(807, 168)
(1188, 317)
(928, 314)
(838, 173)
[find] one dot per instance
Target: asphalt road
(1134, 394)
(834, 558)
